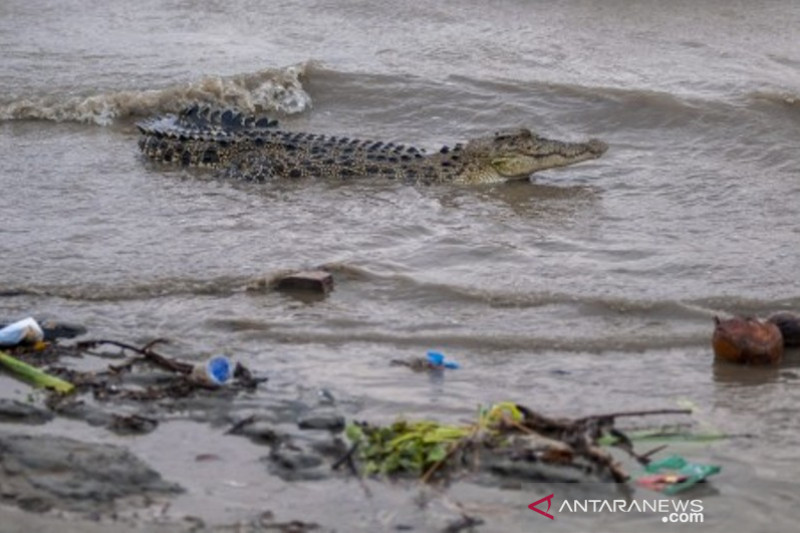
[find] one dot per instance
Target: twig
(146, 351)
(347, 458)
(147, 347)
(245, 378)
(634, 413)
(85, 345)
(459, 444)
(438, 464)
(237, 427)
(625, 443)
(646, 455)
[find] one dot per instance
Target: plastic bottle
(438, 359)
(214, 372)
(25, 330)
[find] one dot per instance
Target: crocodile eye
(520, 133)
(505, 135)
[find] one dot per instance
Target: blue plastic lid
(437, 359)
(219, 369)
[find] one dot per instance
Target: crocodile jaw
(550, 154)
(483, 175)
(569, 155)
(518, 166)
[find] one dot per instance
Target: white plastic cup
(25, 330)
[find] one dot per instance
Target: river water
(589, 289)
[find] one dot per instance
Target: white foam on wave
(788, 98)
(269, 90)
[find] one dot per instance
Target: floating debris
(317, 281)
(33, 375)
(504, 431)
(438, 360)
(55, 329)
(213, 373)
(26, 331)
(435, 361)
(789, 324)
(675, 474)
(747, 341)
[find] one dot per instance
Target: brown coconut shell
(747, 341)
(789, 324)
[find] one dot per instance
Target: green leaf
(436, 454)
(354, 433)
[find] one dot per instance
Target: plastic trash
(54, 330)
(438, 359)
(214, 372)
(61, 330)
(326, 397)
(33, 375)
(675, 474)
(26, 330)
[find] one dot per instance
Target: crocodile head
(516, 154)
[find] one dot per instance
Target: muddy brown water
(588, 289)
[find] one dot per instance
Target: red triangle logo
(548, 499)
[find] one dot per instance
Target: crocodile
(251, 147)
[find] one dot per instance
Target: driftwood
(242, 376)
(146, 351)
(113, 381)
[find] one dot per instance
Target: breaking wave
(269, 90)
(784, 98)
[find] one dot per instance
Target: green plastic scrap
(33, 375)
(675, 474)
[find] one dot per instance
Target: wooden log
(317, 281)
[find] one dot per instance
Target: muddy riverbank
(131, 392)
